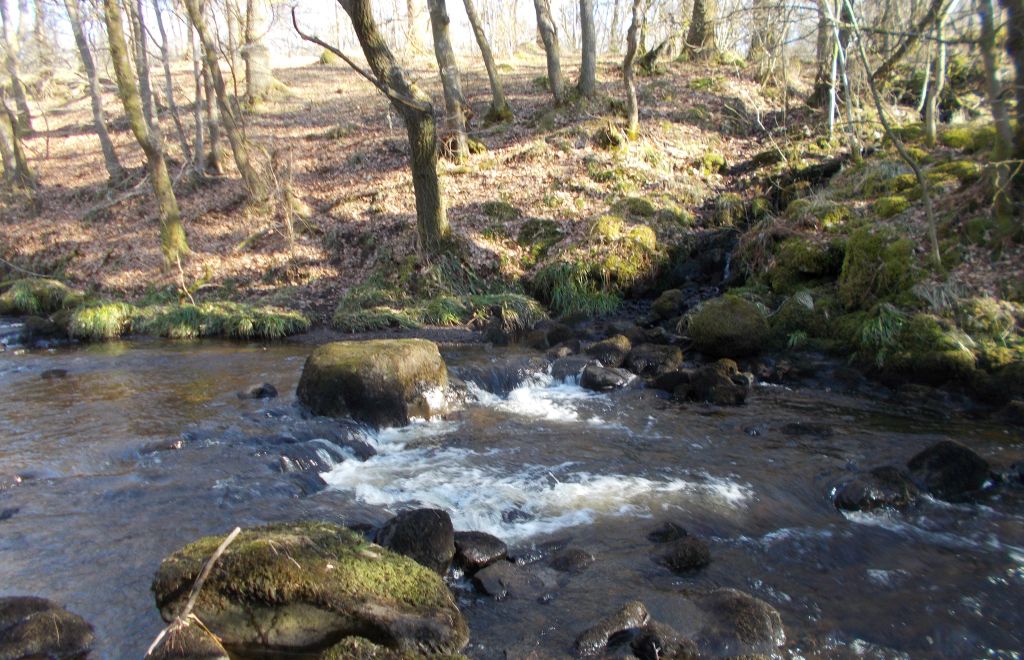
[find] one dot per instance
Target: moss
(537, 236)
(705, 84)
(728, 327)
(609, 137)
(759, 209)
(607, 228)
(799, 314)
(500, 210)
(101, 321)
(360, 648)
(643, 236)
(712, 162)
(328, 58)
(730, 210)
(38, 296)
(877, 264)
(316, 564)
(823, 213)
(887, 207)
(498, 115)
(969, 137)
(977, 230)
(799, 260)
(930, 349)
(964, 171)
(634, 206)
(913, 132)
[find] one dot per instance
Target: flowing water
(143, 447)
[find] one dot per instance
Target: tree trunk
(881, 74)
(259, 79)
(824, 55)
(114, 169)
(934, 94)
(417, 113)
(9, 40)
(1015, 48)
(628, 77)
(198, 142)
(548, 34)
(700, 40)
(16, 169)
(454, 101)
(142, 68)
(587, 85)
(766, 37)
(215, 159)
(613, 29)
(413, 40)
(233, 18)
(499, 110)
(1003, 149)
(165, 59)
(172, 234)
(230, 117)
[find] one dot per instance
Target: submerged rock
(728, 327)
(611, 352)
(571, 366)
(685, 555)
(33, 627)
(298, 587)
(881, 487)
(949, 471)
(477, 550)
(602, 379)
(571, 560)
(669, 304)
(424, 535)
(594, 639)
(54, 374)
(191, 642)
(261, 391)
(736, 623)
(666, 532)
(720, 383)
(311, 456)
(383, 382)
(360, 648)
(504, 579)
(657, 641)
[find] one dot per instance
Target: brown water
(145, 446)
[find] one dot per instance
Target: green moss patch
(38, 297)
(887, 207)
(970, 138)
(501, 211)
(877, 264)
(728, 327)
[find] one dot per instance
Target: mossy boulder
(669, 304)
(964, 171)
(728, 327)
(499, 210)
(887, 207)
(713, 163)
(383, 382)
(799, 313)
(969, 137)
(730, 210)
(611, 352)
(799, 261)
(877, 264)
(635, 207)
(931, 350)
(38, 296)
(301, 587)
(738, 624)
(360, 648)
(537, 236)
(33, 627)
(328, 58)
(191, 642)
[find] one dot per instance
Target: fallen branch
(185, 618)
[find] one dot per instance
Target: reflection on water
(145, 446)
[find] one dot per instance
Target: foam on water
(539, 397)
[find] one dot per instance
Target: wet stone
(569, 367)
(477, 550)
(54, 374)
(949, 471)
(191, 642)
(685, 555)
(33, 627)
(571, 560)
(603, 379)
(424, 535)
(881, 487)
(736, 623)
(611, 352)
(594, 640)
(657, 641)
(666, 532)
(649, 360)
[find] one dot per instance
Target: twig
(184, 618)
(28, 272)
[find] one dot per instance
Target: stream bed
(142, 447)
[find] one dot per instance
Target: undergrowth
(109, 320)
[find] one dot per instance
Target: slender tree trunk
(499, 110)
(259, 79)
(587, 85)
(233, 18)
(614, 27)
(230, 118)
(1003, 149)
(934, 95)
(165, 59)
(767, 24)
(628, 75)
(114, 169)
(45, 45)
(172, 234)
(1015, 48)
(10, 42)
(700, 40)
(548, 34)
(215, 159)
(417, 113)
(142, 68)
(16, 170)
(198, 142)
(881, 74)
(454, 101)
(413, 40)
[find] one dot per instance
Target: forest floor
(337, 145)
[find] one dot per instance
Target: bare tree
(1003, 148)
(10, 41)
(614, 27)
(587, 85)
(499, 110)
(548, 34)
(628, 75)
(172, 233)
(259, 79)
(413, 40)
(415, 109)
(230, 116)
(1015, 48)
(455, 103)
(16, 170)
(115, 171)
(165, 59)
